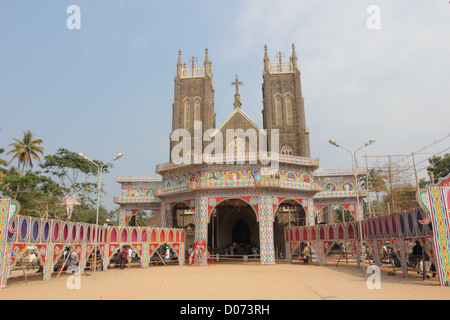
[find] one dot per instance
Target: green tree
(374, 181)
(39, 195)
(439, 166)
(74, 174)
(24, 151)
(89, 215)
(402, 197)
(3, 164)
(139, 219)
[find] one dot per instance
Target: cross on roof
(279, 56)
(237, 84)
(193, 60)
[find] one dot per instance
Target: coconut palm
(26, 150)
(374, 181)
(3, 164)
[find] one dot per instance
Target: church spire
(206, 57)
(207, 63)
(179, 64)
(266, 59)
(294, 57)
(237, 97)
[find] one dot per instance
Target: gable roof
(235, 113)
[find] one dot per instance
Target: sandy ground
(226, 281)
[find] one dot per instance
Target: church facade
(236, 184)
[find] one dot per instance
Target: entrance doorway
(240, 232)
(233, 223)
(290, 213)
(183, 218)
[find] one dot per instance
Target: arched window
(197, 110)
(288, 104)
(278, 112)
(187, 114)
(287, 150)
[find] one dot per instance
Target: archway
(233, 222)
(183, 218)
(334, 214)
(289, 213)
(140, 219)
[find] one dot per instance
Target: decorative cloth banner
(435, 201)
(9, 209)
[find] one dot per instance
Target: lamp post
(355, 173)
(99, 186)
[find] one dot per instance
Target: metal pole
(355, 174)
(355, 165)
(415, 170)
(360, 216)
(99, 182)
(368, 187)
(99, 185)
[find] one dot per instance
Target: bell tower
(283, 105)
(193, 97)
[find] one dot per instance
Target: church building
(235, 184)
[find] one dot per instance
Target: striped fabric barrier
(49, 239)
(398, 230)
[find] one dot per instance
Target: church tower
(283, 105)
(193, 98)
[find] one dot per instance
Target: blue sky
(108, 87)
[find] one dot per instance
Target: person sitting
(73, 260)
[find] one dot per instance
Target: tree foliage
(439, 166)
(74, 173)
(25, 150)
(42, 194)
(39, 196)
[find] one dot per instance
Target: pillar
(201, 229)
(181, 255)
(145, 259)
(266, 218)
(48, 266)
(311, 213)
(166, 216)
(122, 217)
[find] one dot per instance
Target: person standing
(167, 256)
(130, 256)
(123, 258)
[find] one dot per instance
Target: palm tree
(3, 164)
(25, 151)
(374, 181)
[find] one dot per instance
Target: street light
(99, 186)
(355, 166)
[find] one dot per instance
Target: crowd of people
(239, 248)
